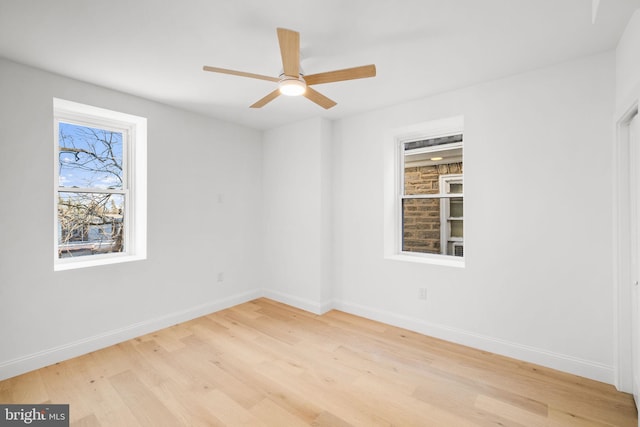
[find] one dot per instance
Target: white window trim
(136, 176)
(445, 238)
(393, 199)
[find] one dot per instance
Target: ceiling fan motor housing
(292, 86)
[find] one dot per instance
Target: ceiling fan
(292, 82)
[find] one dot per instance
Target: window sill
(94, 262)
(447, 261)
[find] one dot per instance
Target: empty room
(338, 213)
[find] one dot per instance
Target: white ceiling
(156, 48)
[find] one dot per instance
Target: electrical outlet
(422, 293)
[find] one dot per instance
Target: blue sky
(89, 157)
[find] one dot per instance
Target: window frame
(134, 191)
(445, 211)
(428, 130)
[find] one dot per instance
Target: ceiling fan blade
(240, 73)
(319, 98)
(340, 75)
(267, 99)
(290, 50)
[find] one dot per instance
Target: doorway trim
(621, 253)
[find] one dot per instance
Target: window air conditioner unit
(458, 249)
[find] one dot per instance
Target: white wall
(297, 216)
(46, 316)
(628, 63)
(538, 177)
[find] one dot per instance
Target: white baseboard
(584, 368)
(301, 303)
(573, 365)
(43, 358)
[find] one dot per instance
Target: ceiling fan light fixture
(292, 81)
(291, 86)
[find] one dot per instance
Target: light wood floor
(267, 364)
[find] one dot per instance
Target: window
(431, 197)
(100, 186)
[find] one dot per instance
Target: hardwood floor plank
(107, 406)
(510, 412)
(330, 396)
(27, 388)
(273, 415)
(62, 382)
(327, 419)
(402, 409)
(299, 405)
(448, 397)
(228, 411)
(88, 421)
(593, 400)
(273, 328)
(558, 418)
(170, 339)
(145, 406)
(264, 363)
